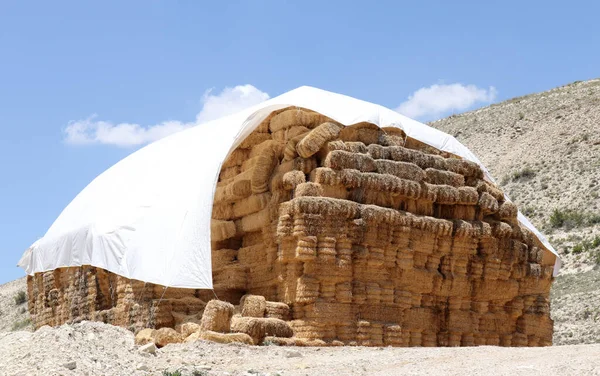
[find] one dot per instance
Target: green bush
(524, 174)
(20, 297)
(21, 324)
(174, 373)
(572, 218)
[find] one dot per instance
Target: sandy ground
(99, 349)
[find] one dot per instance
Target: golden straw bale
(423, 160)
(292, 179)
(165, 336)
(464, 167)
(263, 170)
(208, 335)
(396, 133)
(290, 152)
(316, 138)
(286, 134)
(229, 172)
(467, 196)
(339, 160)
(367, 133)
(233, 191)
(255, 222)
(254, 139)
(223, 211)
(223, 257)
(278, 310)
(296, 117)
(275, 146)
(221, 230)
(484, 186)
(377, 151)
(308, 189)
(391, 140)
(446, 195)
(352, 147)
(488, 203)
(259, 328)
(189, 328)
(508, 210)
(236, 158)
(402, 170)
(253, 305)
(145, 336)
(251, 204)
(217, 316)
(444, 177)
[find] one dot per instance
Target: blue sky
(83, 84)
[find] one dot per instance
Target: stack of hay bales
(374, 238)
(353, 235)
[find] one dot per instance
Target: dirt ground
(91, 348)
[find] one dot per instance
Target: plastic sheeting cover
(148, 216)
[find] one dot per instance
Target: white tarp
(148, 216)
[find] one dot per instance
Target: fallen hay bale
(165, 336)
(145, 336)
(208, 335)
(259, 328)
(189, 328)
(217, 316)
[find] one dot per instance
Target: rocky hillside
(544, 151)
(13, 306)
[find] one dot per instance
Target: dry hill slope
(544, 150)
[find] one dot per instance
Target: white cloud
(229, 101)
(435, 100)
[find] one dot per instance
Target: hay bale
(259, 328)
(290, 152)
(165, 336)
(296, 117)
(316, 138)
(217, 337)
(464, 167)
(367, 133)
(444, 177)
(508, 211)
(250, 205)
(217, 316)
(403, 170)
(340, 160)
(292, 179)
(188, 328)
(467, 196)
(236, 190)
(278, 310)
(145, 336)
(308, 190)
(236, 158)
(488, 203)
(221, 230)
(263, 170)
(253, 306)
(254, 139)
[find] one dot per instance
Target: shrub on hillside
(568, 218)
(20, 297)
